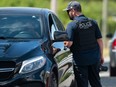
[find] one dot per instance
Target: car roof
(23, 10)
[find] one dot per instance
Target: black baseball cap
(73, 5)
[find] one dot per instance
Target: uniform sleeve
(97, 31)
(70, 29)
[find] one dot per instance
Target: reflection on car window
(52, 31)
(58, 23)
(20, 26)
(52, 27)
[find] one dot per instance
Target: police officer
(86, 45)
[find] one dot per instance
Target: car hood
(16, 49)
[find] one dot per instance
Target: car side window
(58, 23)
(52, 31)
(52, 27)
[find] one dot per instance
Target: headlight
(32, 64)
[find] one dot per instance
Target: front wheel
(52, 80)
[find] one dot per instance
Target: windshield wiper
(1, 37)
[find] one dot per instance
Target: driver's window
(52, 31)
(58, 23)
(52, 27)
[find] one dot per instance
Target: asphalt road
(106, 80)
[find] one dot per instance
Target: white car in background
(112, 54)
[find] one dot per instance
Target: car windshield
(20, 26)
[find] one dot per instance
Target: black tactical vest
(84, 36)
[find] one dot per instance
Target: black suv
(31, 49)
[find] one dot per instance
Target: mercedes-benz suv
(32, 52)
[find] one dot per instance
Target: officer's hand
(102, 60)
(68, 43)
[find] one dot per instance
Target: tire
(52, 80)
(112, 71)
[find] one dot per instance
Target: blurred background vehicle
(112, 53)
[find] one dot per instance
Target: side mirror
(109, 35)
(60, 36)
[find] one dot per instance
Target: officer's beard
(71, 17)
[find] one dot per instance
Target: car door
(63, 56)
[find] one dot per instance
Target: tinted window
(52, 27)
(58, 23)
(20, 26)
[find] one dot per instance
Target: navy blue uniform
(86, 61)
